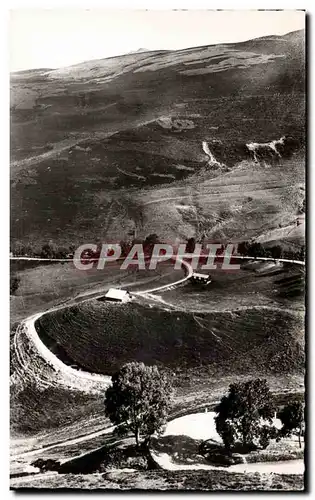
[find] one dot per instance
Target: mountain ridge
(94, 145)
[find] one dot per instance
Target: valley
(175, 145)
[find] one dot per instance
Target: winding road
(70, 376)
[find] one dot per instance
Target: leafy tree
(14, 284)
(256, 250)
(268, 253)
(61, 253)
(47, 251)
(23, 250)
(289, 254)
(149, 243)
(266, 433)
(138, 400)
(245, 414)
(125, 248)
(243, 247)
(276, 252)
(304, 205)
(151, 239)
(292, 418)
(301, 253)
(190, 246)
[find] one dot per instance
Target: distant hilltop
(138, 50)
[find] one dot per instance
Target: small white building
(201, 278)
(117, 295)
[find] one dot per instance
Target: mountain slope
(95, 146)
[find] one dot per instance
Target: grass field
(166, 480)
(45, 285)
(253, 285)
(227, 341)
(240, 323)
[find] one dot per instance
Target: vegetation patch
(102, 336)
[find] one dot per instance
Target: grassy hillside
(167, 480)
(107, 147)
(46, 285)
(237, 341)
(256, 284)
(247, 321)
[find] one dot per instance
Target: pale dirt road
(59, 366)
(70, 376)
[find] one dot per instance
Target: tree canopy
(292, 419)
(138, 400)
(245, 415)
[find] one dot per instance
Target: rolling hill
(242, 323)
(206, 344)
(205, 142)
(106, 148)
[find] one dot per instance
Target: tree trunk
(244, 436)
(137, 437)
(147, 441)
(300, 432)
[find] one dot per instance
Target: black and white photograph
(157, 249)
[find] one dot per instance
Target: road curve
(188, 275)
(71, 375)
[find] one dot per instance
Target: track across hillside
(26, 334)
(71, 376)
